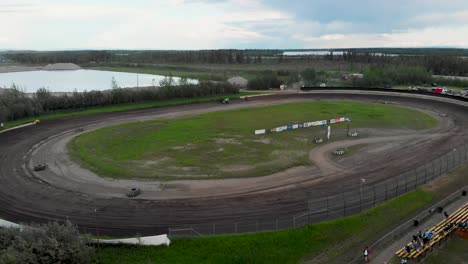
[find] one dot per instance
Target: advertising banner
(302, 125)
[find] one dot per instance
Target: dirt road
(24, 197)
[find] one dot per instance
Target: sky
(237, 24)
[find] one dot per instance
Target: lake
(315, 52)
(81, 80)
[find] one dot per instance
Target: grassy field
(328, 239)
(124, 107)
(210, 145)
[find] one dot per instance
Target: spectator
(446, 215)
(366, 254)
(448, 227)
(408, 249)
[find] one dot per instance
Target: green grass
(331, 239)
(222, 144)
(123, 107)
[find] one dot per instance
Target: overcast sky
(220, 24)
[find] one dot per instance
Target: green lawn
(222, 144)
(331, 239)
(124, 107)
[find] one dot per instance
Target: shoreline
(49, 67)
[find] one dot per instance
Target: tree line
(15, 104)
(169, 56)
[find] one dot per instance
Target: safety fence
(330, 207)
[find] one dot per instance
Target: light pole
(96, 224)
(360, 193)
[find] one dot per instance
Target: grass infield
(222, 144)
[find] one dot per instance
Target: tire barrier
(339, 152)
(39, 167)
(352, 134)
(134, 192)
(318, 140)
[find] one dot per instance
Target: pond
(81, 80)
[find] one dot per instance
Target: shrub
(48, 243)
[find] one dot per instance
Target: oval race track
(26, 198)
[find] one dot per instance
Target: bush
(49, 243)
(381, 76)
(266, 81)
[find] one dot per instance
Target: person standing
(366, 254)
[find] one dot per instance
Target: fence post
(406, 183)
(416, 178)
(397, 184)
(374, 196)
(453, 158)
(440, 167)
(433, 176)
(294, 221)
(327, 207)
(386, 190)
(447, 157)
(344, 206)
(425, 173)
(360, 201)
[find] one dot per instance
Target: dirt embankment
(49, 67)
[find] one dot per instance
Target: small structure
(283, 87)
(352, 134)
(353, 76)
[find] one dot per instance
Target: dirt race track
(26, 196)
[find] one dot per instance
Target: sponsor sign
(303, 125)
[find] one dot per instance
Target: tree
(114, 84)
(309, 76)
(48, 243)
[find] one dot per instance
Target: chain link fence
(340, 205)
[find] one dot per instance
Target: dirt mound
(238, 80)
(61, 67)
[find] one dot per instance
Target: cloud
(433, 37)
(206, 24)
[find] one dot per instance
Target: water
(316, 52)
(81, 80)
